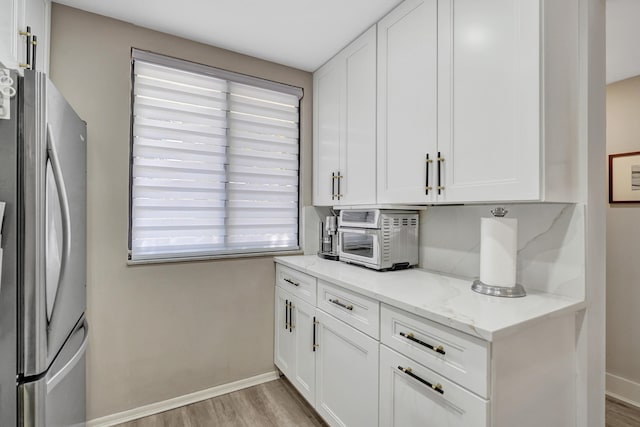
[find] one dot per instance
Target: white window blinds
(214, 164)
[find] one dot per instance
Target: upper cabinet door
(358, 152)
(489, 100)
(345, 125)
(16, 16)
(37, 16)
(407, 102)
(9, 37)
(328, 99)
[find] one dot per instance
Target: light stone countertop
(444, 299)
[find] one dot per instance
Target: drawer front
(297, 283)
(412, 395)
(457, 356)
(361, 312)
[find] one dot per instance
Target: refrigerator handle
(64, 201)
(55, 380)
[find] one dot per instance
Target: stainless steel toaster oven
(378, 239)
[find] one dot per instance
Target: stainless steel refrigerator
(43, 331)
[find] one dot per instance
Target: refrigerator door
(58, 398)
(9, 270)
(54, 291)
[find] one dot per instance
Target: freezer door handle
(64, 204)
(55, 380)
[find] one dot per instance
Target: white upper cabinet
(345, 125)
(477, 102)
(37, 15)
(489, 99)
(15, 17)
(407, 102)
(327, 93)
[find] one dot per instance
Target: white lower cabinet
(372, 373)
(361, 361)
(284, 355)
(293, 347)
(412, 395)
(304, 373)
(346, 374)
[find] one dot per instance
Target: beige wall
(157, 331)
(623, 246)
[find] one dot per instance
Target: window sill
(214, 257)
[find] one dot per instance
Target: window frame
(189, 66)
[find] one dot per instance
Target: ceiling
(306, 33)
(623, 36)
(302, 34)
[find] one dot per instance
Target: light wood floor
(275, 403)
(620, 414)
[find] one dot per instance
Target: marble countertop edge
(442, 298)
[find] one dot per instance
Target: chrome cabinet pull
(339, 177)
(440, 160)
(292, 282)
(34, 45)
(315, 322)
(411, 337)
(333, 185)
(343, 305)
(291, 325)
(31, 44)
(28, 65)
(435, 387)
(427, 187)
(286, 314)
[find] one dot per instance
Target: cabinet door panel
(346, 374)
(489, 99)
(36, 15)
(284, 344)
(358, 152)
(9, 38)
(406, 401)
(328, 108)
(407, 100)
(304, 375)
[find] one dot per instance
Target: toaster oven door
(361, 246)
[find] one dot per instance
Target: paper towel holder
(515, 291)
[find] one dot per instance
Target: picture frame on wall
(624, 177)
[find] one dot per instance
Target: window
(214, 162)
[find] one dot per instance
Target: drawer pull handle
(410, 336)
(343, 305)
(434, 387)
(292, 282)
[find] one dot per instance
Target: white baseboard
(176, 402)
(623, 389)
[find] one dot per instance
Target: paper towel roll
(498, 251)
